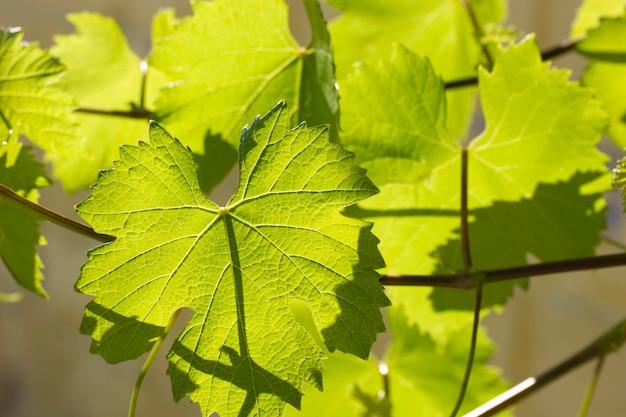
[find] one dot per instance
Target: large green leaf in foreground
(239, 267)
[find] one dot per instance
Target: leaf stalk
(149, 360)
(584, 409)
(472, 279)
(11, 196)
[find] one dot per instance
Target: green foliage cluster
(423, 141)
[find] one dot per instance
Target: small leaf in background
(103, 73)
(605, 47)
(590, 12)
(426, 373)
(281, 238)
(232, 60)
(29, 105)
(19, 228)
(619, 177)
(438, 29)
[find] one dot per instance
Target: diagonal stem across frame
(608, 342)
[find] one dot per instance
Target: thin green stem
(467, 266)
(8, 126)
(472, 352)
(465, 243)
(11, 196)
(478, 31)
(143, 67)
(470, 280)
(11, 297)
(383, 369)
(134, 113)
(607, 343)
(614, 243)
(584, 409)
(153, 352)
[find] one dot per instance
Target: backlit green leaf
(591, 11)
(19, 228)
(439, 29)
(29, 105)
(104, 74)
(606, 72)
(279, 239)
(232, 60)
(394, 121)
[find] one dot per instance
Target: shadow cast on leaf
(218, 159)
(558, 222)
(123, 338)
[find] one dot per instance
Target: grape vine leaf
(619, 177)
(233, 60)
(590, 12)
(19, 229)
(420, 372)
(103, 73)
(29, 104)
(394, 129)
(606, 72)
(238, 267)
(438, 29)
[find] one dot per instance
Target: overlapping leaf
(232, 61)
(619, 177)
(605, 46)
(422, 375)
(28, 104)
(280, 238)
(103, 73)
(439, 29)
(591, 11)
(19, 229)
(399, 135)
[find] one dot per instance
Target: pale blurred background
(45, 365)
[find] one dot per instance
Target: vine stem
(11, 196)
(554, 51)
(584, 409)
(614, 243)
(608, 342)
(465, 243)
(470, 280)
(149, 360)
(472, 352)
(478, 31)
(134, 113)
(467, 266)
